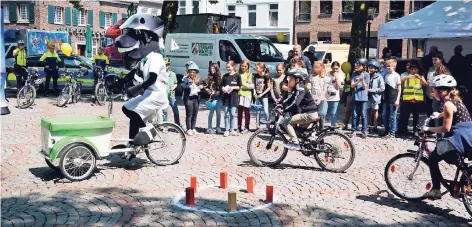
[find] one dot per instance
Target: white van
(206, 48)
(328, 53)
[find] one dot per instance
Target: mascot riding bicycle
(139, 45)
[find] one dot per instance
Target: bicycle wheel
(397, 176)
(26, 97)
(78, 93)
(467, 195)
(64, 97)
(265, 149)
(168, 145)
(100, 93)
(332, 149)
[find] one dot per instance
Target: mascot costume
(139, 45)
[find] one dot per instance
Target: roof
(442, 19)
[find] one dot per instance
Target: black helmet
(297, 73)
(362, 61)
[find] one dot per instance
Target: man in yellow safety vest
(412, 97)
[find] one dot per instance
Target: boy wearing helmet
(298, 105)
(457, 127)
(376, 89)
(140, 46)
(360, 79)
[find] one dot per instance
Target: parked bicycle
(100, 88)
(72, 89)
(407, 175)
(27, 94)
(328, 146)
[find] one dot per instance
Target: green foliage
(77, 4)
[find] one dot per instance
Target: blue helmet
(193, 67)
(374, 63)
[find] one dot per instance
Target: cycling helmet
(144, 22)
(374, 63)
(167, 61)
(189, 63)
(193, 67)
(21, 42)
(38, 81)
(297, 73)
(443, 80)
(362, 61)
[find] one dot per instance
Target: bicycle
(416, 173)
(312, 140)
(100, 88)
(72, 89)
(27, 94)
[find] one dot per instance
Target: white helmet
(443, 80)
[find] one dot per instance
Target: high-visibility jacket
(347, 85)
(21, 56)
(413, 90)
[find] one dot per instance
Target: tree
(76, 4)
(169, 10)
(358, 31)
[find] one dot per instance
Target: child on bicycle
(457, 127)
(298, 106)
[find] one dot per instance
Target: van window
(319, 55)
(259, 50)
(329, 57)
(10, 51)
(228, 52)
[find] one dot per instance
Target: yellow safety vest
(347, 86)
(21, 57)
(413, 90)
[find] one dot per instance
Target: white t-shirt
(393, 79)
(155, 63)
(332, 93)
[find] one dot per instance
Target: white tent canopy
(442, 19)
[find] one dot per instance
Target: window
(231, 10)
(395, 45)
(108, 20)
(144, 10)
(94, 46)
(195, 8)
(421, 4)
(252, 15)
(259, 50)
(273, 14)
(326, 7)
(58, 17)
(182, 7)
(347, 10)
(23, 13)
(6, 14)
(71, 62)
(82, 17)
(228, 52)
(304, 11)
(397, 9)
(345, 40)
(324, 36)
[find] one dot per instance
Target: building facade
(61, 16)
(331, 20)
(258, 17)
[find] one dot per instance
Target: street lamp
(370, 18)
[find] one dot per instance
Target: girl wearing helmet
(192, 85)
(456, 126)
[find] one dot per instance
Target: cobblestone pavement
(137, 193)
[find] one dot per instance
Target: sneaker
(226, 134)
(233, 133)
(190, 132)
(195, 132)
(210, 131)
(218, 131)
(244, 131)
(293, 146)
(433, 194)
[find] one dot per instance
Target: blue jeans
(175, 110)
(218, 115)
(363, 106)
(230, 115)
(390, 117)
(265, 104)
(332, 107)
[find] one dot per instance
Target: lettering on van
(183, 48)
(202, 49)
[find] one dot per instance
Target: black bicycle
(100, 88)
(328, 146)
(27, 94)
(407, 175)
